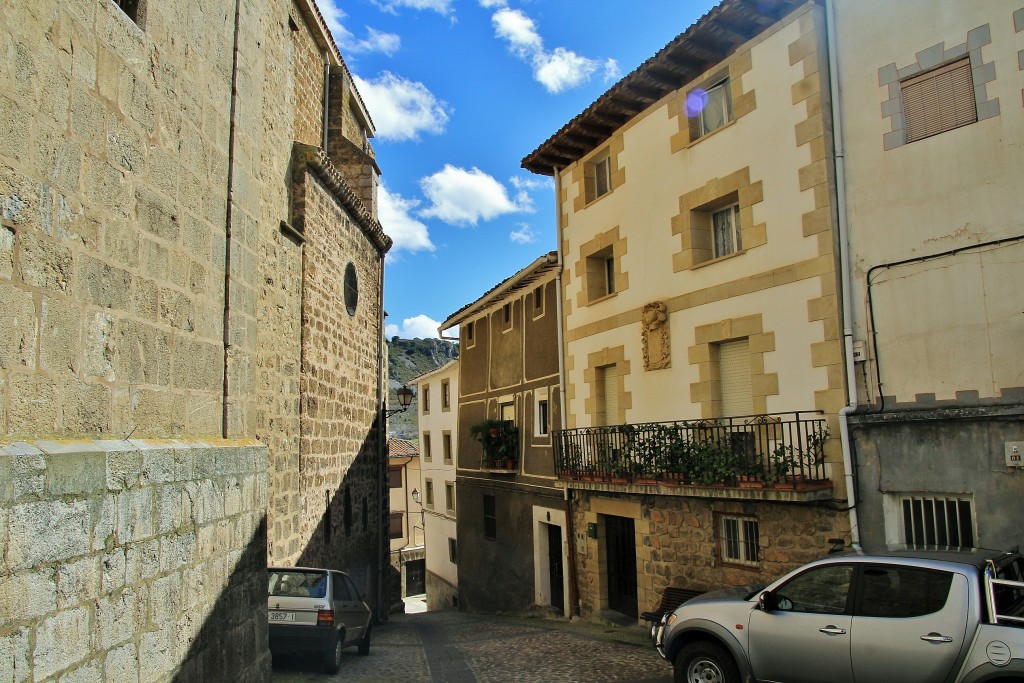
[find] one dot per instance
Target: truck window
(902, 592)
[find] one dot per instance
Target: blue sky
(460, 91)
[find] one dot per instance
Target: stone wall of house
(133, 560)
(677, 542)
(339, 375)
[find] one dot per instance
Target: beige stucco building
(701, 322)
(405, 521)
(191, 332)
(439, 430)
(932, 117)
(512, 523)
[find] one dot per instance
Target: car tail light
(325, 617)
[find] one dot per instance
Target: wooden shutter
(608, 394)
(734, 370)
(939, 100)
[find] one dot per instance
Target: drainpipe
(327, 96)
(845, 278)
(383, 506)
(574, 591)
(228, 217)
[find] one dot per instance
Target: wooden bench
(670, 599)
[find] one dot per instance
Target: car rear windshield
(298, 584)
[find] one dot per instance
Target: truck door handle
(934, 637)
(832, 630)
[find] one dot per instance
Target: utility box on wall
(1014, 453)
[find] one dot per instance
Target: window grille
(941, 521)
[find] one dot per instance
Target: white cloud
(524, 234)
(489, 4)
(462, 197)
(416, 327)
(402, 109)
(395, 214)
(375, 41)
(439, 6)
(558, 69)
(611, 71)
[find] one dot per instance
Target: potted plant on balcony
(499, 442)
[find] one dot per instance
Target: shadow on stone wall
(230, 646)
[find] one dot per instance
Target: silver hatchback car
(316, 610)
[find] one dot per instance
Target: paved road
(440, 647)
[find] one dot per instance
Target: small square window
(600, 274)
(597, 176)
(709, 109)
(937, 520)
(449, 497)
(428, 493)
(395, 478)
(738, 541)
(543, 417)
(446, 440)
(427, 455)
(939, 100)
(446, 395)
(453, 551)
(490, 518)
(395, 525)
(425, 398)
(725, 226)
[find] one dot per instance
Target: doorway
(555, 575)
(621, 554)
(415, 577)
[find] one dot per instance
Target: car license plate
(282, 616)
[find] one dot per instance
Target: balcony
(782, 451)
(500, 442)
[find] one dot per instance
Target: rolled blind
(609, 396)
(939, 100)
(734, 369)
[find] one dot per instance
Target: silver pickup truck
(899, 614)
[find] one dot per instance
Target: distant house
(405, 520)
(512, 525)
(702, 351)
(439, 431)
(934, 127)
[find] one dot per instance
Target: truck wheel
(332, 655)
(704, 662)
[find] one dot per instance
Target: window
(902, 592)
(428, 493)
(427, 455)
(734, 374)
(134, 9)
(446, 441)
(453, 551)
(709, 109)
(600, 274)
(607, 381)
(425, 398)
(506, 316)
(395, 478)
(939, 100)
(542, 416)
(469, 334)
(395, 525)
(449, 497)
(351, 289)
(490, 519)
(538, 301)
(822, 590)
(726, 232)
(738, 540)
(446, 395)
(946, 521)
(597, 176)
(507, 411)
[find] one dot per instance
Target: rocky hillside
(408, 359)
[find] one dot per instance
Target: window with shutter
(734, 373)
(939, 100)
(608, 395)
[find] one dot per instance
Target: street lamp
(416, 496)
(405, 396)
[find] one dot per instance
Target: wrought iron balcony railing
(775, 450)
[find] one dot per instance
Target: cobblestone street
(469, 648)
